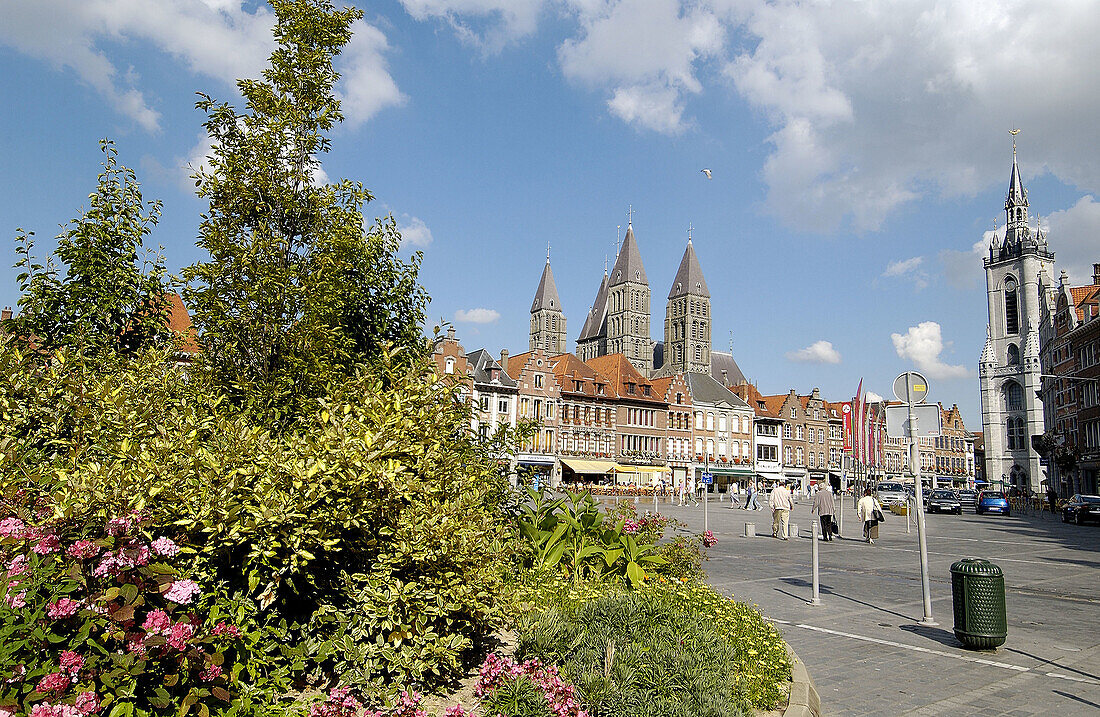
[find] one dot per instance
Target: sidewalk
(863, 645)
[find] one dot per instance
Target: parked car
(1081, 508)
(992, 501)
(943, 501)
(890, 493)
(967, 498)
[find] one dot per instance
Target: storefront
(536, 471)
(727, 479)
(580, 470)
(643, 476)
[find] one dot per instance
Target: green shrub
(367, 540)
(671, 648)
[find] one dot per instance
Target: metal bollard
(813, 552)
(792, 530)
(750, 530)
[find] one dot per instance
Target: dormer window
(630, 389)
(645, 390)
(599, 389)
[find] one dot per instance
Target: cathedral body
(619, 320)
(1018, 283)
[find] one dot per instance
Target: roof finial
(629, 215)
(1014, 132)
(547, 252)
(689, 232)
(618, 228)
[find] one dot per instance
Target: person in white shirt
(865, 509)
(780, 503)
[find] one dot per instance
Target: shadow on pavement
(1052, 664)
(1075, 698)
(938, 634)
(826, 590)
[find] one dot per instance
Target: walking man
(780, 503)
(824, 509)
(750, 499)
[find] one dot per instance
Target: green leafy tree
(98, 291)
(296, 294)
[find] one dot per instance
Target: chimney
(5, 314)
(725, 378)
(1096, 273)
(450, 333)
(817, 393)
(504, 360)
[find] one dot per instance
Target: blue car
(992, 501)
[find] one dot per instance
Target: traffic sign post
(912, 388)
(708, 480)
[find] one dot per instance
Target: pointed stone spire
(689, 277)
(989, 355)
(546, 297)
(596, 322)
(1016, 193)
(1031, 341)
(628, 265)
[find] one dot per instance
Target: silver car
(890, 493)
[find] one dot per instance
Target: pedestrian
(824, 508)
(1052, 498)
(681, 491)
(866, 509)
(750, 498)
(780, 503)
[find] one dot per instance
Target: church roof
(595, 324)
(988, 354)
(547, 295)
(1016, 193)
(705, 389)
(689, 277)
(724, 362)
(628, 265)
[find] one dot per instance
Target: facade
(722, 432)
(679, 437)
(495, 394)
(450, 357)
(641, 422)
(538, 394)
(547, 317)
(586, 422)
(1084, 342)
(687, 320)
(953, 456)
(1017, 272)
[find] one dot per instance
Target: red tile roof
(179, 321)
(620, 372)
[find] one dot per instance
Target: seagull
(706, 172)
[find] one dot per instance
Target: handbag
(877, 516)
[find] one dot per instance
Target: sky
(859, 155)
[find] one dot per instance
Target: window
(710, 421)
(538, 380)
(484, 403)
(793, 414)
(745, 424)
(766, 453)
(821, 435)
(787, 455)
(450, 368)
(800, 432)
(786, 430)
(1014, 396)
(710, 447)
(813, 462)
(722, 422)
(1013, 355)
(1012, 307)
(502, 405)
(801, 456)
(698, 353)
(698, 446)
(1015, 433)
(549, 409)
(699, 420)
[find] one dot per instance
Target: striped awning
(641, 469)
(578, 465)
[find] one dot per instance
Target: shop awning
(729, 471)
(641, 469)
(578, 465)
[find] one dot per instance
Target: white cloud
(922, 344)
(220, 39)
(911, 268)
(1074, 235)
(415, 232)
(477, 316)
(489, 25)
(817, 352)
(963, 269)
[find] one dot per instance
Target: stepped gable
(546, 296)
(568, 369)
(622, 375)
(719, 362)
(595, 324)
(628, 265)
(689, 277)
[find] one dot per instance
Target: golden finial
(1014, 132)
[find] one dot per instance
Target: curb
(804, 700)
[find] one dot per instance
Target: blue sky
(860, 154)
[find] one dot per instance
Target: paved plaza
(863, 645)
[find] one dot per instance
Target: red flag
(846, 412)
(857, 424)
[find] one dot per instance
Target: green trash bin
(978, 595)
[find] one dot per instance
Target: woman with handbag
(870, 512)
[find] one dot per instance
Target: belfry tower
(628, 307)
(547, 319)
(687, 318)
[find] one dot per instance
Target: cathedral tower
(628, 307)
(687, 319)
(547, 319)
(1017, 276)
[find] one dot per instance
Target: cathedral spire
(1017, 233)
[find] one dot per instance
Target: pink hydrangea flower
(135, 642)
(44, 709)
(68, 711)
(17, 566)
(87, 703)
(16, 600)
(224, 628)
(83, 549)
(182, 592)
(11, 528)
(457, 711)
(179, 634)
(72, 663)
(63, 608)
(48, 544)
(119, 526)
(135, 555)
(6, 712)
(165, 547)
(211, 673)
(157, 621)
(53, 683)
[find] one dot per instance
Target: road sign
(707, 478)
(911, 387)
(926, 416)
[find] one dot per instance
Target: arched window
(1012, 307)
(1014, 396)
(1015, 433)
(450, 365)
(1013, 355)
(698, 353)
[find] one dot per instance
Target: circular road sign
(911, 387)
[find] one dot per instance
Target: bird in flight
(706, 172)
